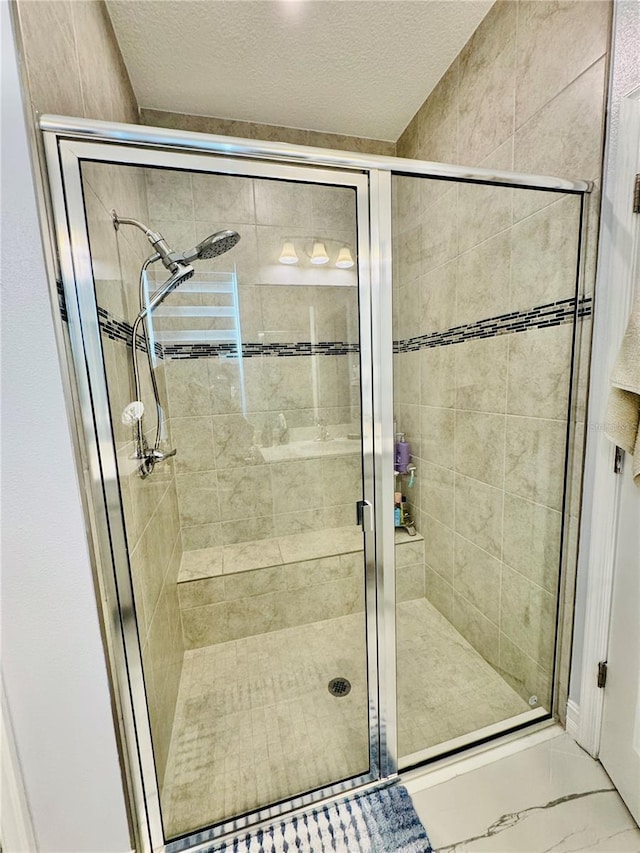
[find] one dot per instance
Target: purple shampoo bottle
(403, 453)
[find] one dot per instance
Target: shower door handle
(364, 515)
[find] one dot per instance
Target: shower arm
(164, 252)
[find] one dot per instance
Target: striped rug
(380, 821)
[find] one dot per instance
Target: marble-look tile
(535, 392)
(318, 543)
(169, 194)
(188, 387)
(478, 508)
(205, 626)
(534, 459)
(487, 71)
(196, 593)
(283, 203)
(437, 377)
(440, 107)
(438, 548)
(531, 541)
(495, 202)
(575, 153)
(245, 493)
(223, 198)
(558, 41)
(193, 441)
(438, 592)
(525, 675)
(552, 796)
(483, 280)
(437, 299)
(201, 563)
(476, 576)
(52, 61)
(409, 550)
(198, 497)
(480, 632)
(544, 252)
(246, 556)
(436, 492)
(233, 438)
(297, 484)
(309, 572)
(439, 244)
(244, 584)
(201, 536)
(410, 582)
(437, 435)
(527, 616)
(481, 375)
(479, 446)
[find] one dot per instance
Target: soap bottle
(402, 453)
(397, 509)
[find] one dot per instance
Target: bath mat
(380, 821)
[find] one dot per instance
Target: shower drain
(339, 686)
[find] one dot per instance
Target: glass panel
(484, 291)
(247, 567)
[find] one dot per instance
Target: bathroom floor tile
(255, 721)
(551, 796)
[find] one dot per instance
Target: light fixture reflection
(288, 254)
(319, 254)
(344, 260)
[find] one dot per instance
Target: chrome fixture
(179, 265)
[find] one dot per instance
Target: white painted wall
(52, 659)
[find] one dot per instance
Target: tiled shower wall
(74, 67)
(223, 411)
(486, 417)
(150, 505)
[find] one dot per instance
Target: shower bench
(270, 584)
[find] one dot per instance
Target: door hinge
(636, 195)
(602, 673)
(618, 460)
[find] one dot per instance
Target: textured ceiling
(353, 67)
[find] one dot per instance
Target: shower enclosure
(274, 637)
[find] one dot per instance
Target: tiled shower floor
(255, 722)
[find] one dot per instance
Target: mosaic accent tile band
(540, 317)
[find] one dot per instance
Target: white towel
(623, 411)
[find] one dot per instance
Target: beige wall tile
(437, 376)
(483, 280)
(565, 136)
(438, 244)
(532, 540)
(198, 593)
(438, 548)
(527, 616)
(410, 582)
(481, 375)
(534, 459)
(535, 392)
(476, 576)
(544, 253)
(198, 497)
(476, 628)
(193, 440)
(437, 434)
(479, 445)
(479, 513)
(439, 592)
(436, 492)
(523, 673)
(257, 582)
(204, 626)
(557, 42)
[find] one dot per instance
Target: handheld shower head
(181, 274)
(212, 246)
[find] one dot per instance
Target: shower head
(178, 276)
(212, 246)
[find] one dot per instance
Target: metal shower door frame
(64, 159)
(65, 141)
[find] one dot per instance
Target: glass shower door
(238, 437)
(486, 311)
